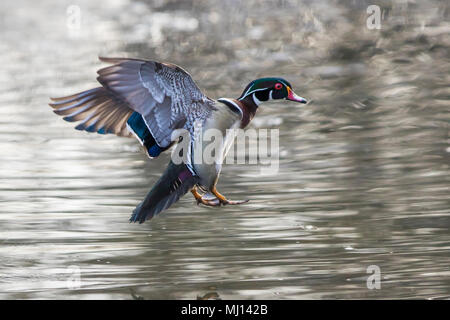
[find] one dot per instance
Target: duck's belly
(221, 127)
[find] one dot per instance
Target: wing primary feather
(98, 109)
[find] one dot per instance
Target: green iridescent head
(265, 89)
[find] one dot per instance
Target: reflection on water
(363, 179)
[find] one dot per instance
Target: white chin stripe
(255, 99)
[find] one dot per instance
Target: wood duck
(150, 100)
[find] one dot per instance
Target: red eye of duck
(278, 86)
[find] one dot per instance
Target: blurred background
(364, 167)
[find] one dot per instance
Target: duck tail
(175, 182)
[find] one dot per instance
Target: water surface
(363, 177)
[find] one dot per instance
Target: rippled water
(363, 178)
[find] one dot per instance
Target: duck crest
(246, 107)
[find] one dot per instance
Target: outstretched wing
(98, 110)
(163, 94)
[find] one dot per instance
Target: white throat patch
(255, 99)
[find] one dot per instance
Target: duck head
(265, 89)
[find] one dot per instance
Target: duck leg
(223, 200)
(199, 198)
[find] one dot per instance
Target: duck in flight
(151, 100)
